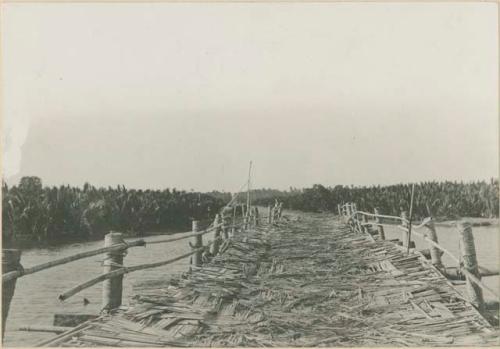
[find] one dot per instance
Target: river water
(35, 300)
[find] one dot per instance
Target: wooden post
(468, 251)
(197, 243)
(233, 227)
(10, 261)
(216, 244)
(280, 210)
(251, 218)
(339, 210)
(404, 234)
(358, 222)
(381, 233)
(225, 225)
(366, 228)
(434, 251)
(256, 216)
(269, 214)
(112, 289)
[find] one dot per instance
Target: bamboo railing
(469, 267)
(224, 227)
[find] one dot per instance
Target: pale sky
(185, 95)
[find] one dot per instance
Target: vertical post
(404, 234)
(242, 210)
(233, 227)
(197, 243)
(10, 261)
(245, 222)
(225, 225)
(468, 251)
(280, 210)
(366, 228)
(251, 218)
(256, 216)
(216, 244)
(381, 233)
(112, 289)
(339, 210)
(434, 251)
(358, 222)
(249, 188)
(269, 214)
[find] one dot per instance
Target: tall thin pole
(248, 189)
(411, 217)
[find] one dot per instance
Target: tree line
(71, 213)
(445, 199)
(52, 213)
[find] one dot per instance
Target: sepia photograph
(250, 174)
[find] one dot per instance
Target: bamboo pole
(468, 251)
(197, 243)
(225, 224)
(380, 228)
(41, 328)
(233, 226)
(248, 187)
(366, 224)
(112, 289)
(404, 233)
(122, 271)
(216, 244)
(435, 253)
(18, 273)
(10, 261)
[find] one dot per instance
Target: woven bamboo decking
(308, 281)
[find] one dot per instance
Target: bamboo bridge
(292, 280)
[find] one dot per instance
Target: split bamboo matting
(308, 281)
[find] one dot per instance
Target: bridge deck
(309, 281)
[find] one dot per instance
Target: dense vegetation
(441, 199)
(71, 213)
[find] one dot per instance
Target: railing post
(269, 214)
(404, 233)
(251, 217)
(245, 222)
(197, 243)
(225, 225)
(256, 216)
(10, 261)
(468, 252)
(112, 289)
(434, 251)
(216, 244)
(366, 228)
(380, 229)
(243, 213)
(233, 226)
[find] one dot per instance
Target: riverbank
(24, 242)
(475, 221)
